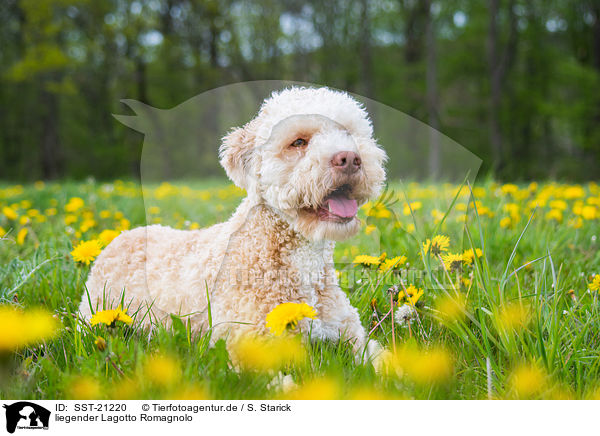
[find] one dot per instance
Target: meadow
(492, 289)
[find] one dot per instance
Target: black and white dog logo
(26, 415)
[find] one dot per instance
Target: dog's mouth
(337, 206)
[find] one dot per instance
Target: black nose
(346, 162)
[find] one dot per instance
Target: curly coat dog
(308, 160)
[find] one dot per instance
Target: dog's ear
(235, 155)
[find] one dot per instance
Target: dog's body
(307, 161)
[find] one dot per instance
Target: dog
(307, 161)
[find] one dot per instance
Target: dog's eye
(300, 142)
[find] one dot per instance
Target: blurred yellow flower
(554, 214)
(589, 212)
(512, 316)
(316, 389)
(9, 213)
(260, 353)
(2, 232)
(87, 224)
(162, 370)
(74, 204)
(527, 380)
(70, 219)
(287, 315)
(23, 328)
(451, 308)
(21, 235)
(435, 247)
(84, 388)
(106, 236)
(506, 222)
(423, 366)
(110, 317)
(370, 229)
(86, 251)
(104, 214)
(594, 285)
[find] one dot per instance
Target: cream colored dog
(307, 161)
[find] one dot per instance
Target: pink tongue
(342, 207)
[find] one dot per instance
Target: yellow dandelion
(22, 235)
(287, 315)
(451, 308)
(554, 214)
(84, 388)
(512, 317)
(527, 380)
(394, 262)
(2, 232)
(70, 219)
(452, 261)
(423, 366)
(594, 285)
(100, 343)
(366, 260)
(370, 229)
(437, 245)
(506, 223)
(162, 370)
(316, 389)
(10, 213)
(106, 236)
(23, 328)
(110, 317)
(87, 251)
(50, 211)
(258, 353)
(104, 214)
(469, 255)
(410, 296)
(74, 204)
(589, 212)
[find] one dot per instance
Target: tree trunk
(366, 58)
(432, 95)
(51, 155)
(495, 135)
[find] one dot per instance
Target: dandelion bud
(100, 343)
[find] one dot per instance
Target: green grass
(551, 351)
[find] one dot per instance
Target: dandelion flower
(506, 222)
(74, 204)
(287, 315)
(595, 283)
(394, 262)
(317, 389)
(9, 213)
(453, 262)
(110, 317)
(21, 235)
(100, 343)
(84, 388)
(86, 251)
(106, 236)
(469, 255)
(23, 328)
(423, 366)
(268, 353)
(527, 380)
(512, 316)
(411, 295)
(451, 308)
(437, 245)
(2, 232)
(162, 370)
(366, 260)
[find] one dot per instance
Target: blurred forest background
(514, 81)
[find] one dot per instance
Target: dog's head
(310, 155)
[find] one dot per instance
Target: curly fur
(274, 249)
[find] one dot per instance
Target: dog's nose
(346, 161)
